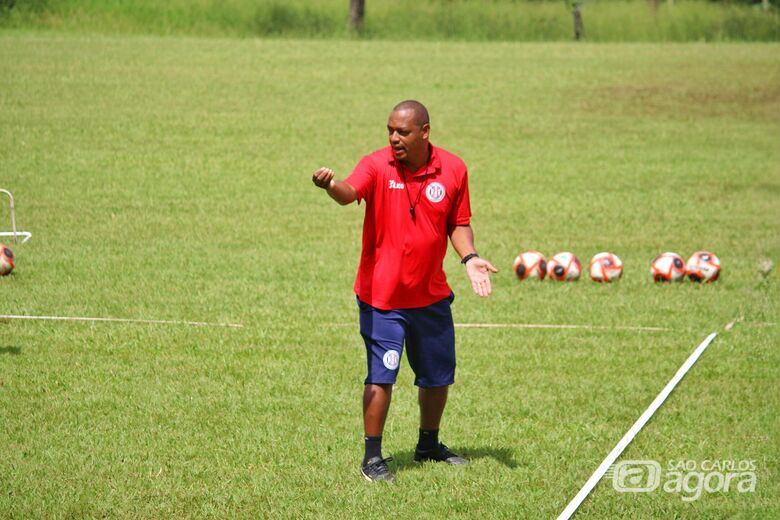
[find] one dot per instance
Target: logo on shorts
(391, 359)
(435, 192)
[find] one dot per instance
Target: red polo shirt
(401, 262)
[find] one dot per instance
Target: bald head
(408, 130)
(418, 109)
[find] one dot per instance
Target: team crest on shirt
(391, 359)
(435, 192)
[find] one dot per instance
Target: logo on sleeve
(435, 192)
(390, 359)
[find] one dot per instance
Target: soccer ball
(703, 267)
(667, 267)
(564, 267)
(605, 267)
(6, 260)
(530, 264)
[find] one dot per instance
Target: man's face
(408, 140)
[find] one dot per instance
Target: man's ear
(426, 130)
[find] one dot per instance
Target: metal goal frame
(24, 235)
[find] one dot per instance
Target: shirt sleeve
(363, 178)
(460, 214)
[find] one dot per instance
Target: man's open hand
(478, 270)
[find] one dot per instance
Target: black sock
(428, 440)
(373, 447)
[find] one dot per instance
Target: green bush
(471, 20)
(278, 18)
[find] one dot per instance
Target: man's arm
(477, 269)
(340, 191)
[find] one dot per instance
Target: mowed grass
(169, 178)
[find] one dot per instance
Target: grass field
(169, 178)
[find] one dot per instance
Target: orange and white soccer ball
(668, 267)
(605, 267)
(531, 265)
(6, 260)
(564, 267)
(703, 267)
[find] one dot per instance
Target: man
(416, 196)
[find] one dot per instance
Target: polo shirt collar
(434, 162)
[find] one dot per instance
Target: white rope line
(634, 430)
(761, 324)
(556, 326)
(539, 326)
(119, 320)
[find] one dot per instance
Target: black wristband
(469, 257)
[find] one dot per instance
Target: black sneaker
(440, 453)
(376, 469)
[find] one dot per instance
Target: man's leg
(432, 403)
(383, 333)
(430, 348)
(376, 403)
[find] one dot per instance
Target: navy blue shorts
(428, 333)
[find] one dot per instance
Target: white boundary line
(119, 320)
(760, 324)
(634, 430)
(555, 326)
(539, 326)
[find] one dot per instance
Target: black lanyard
(419, 193)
